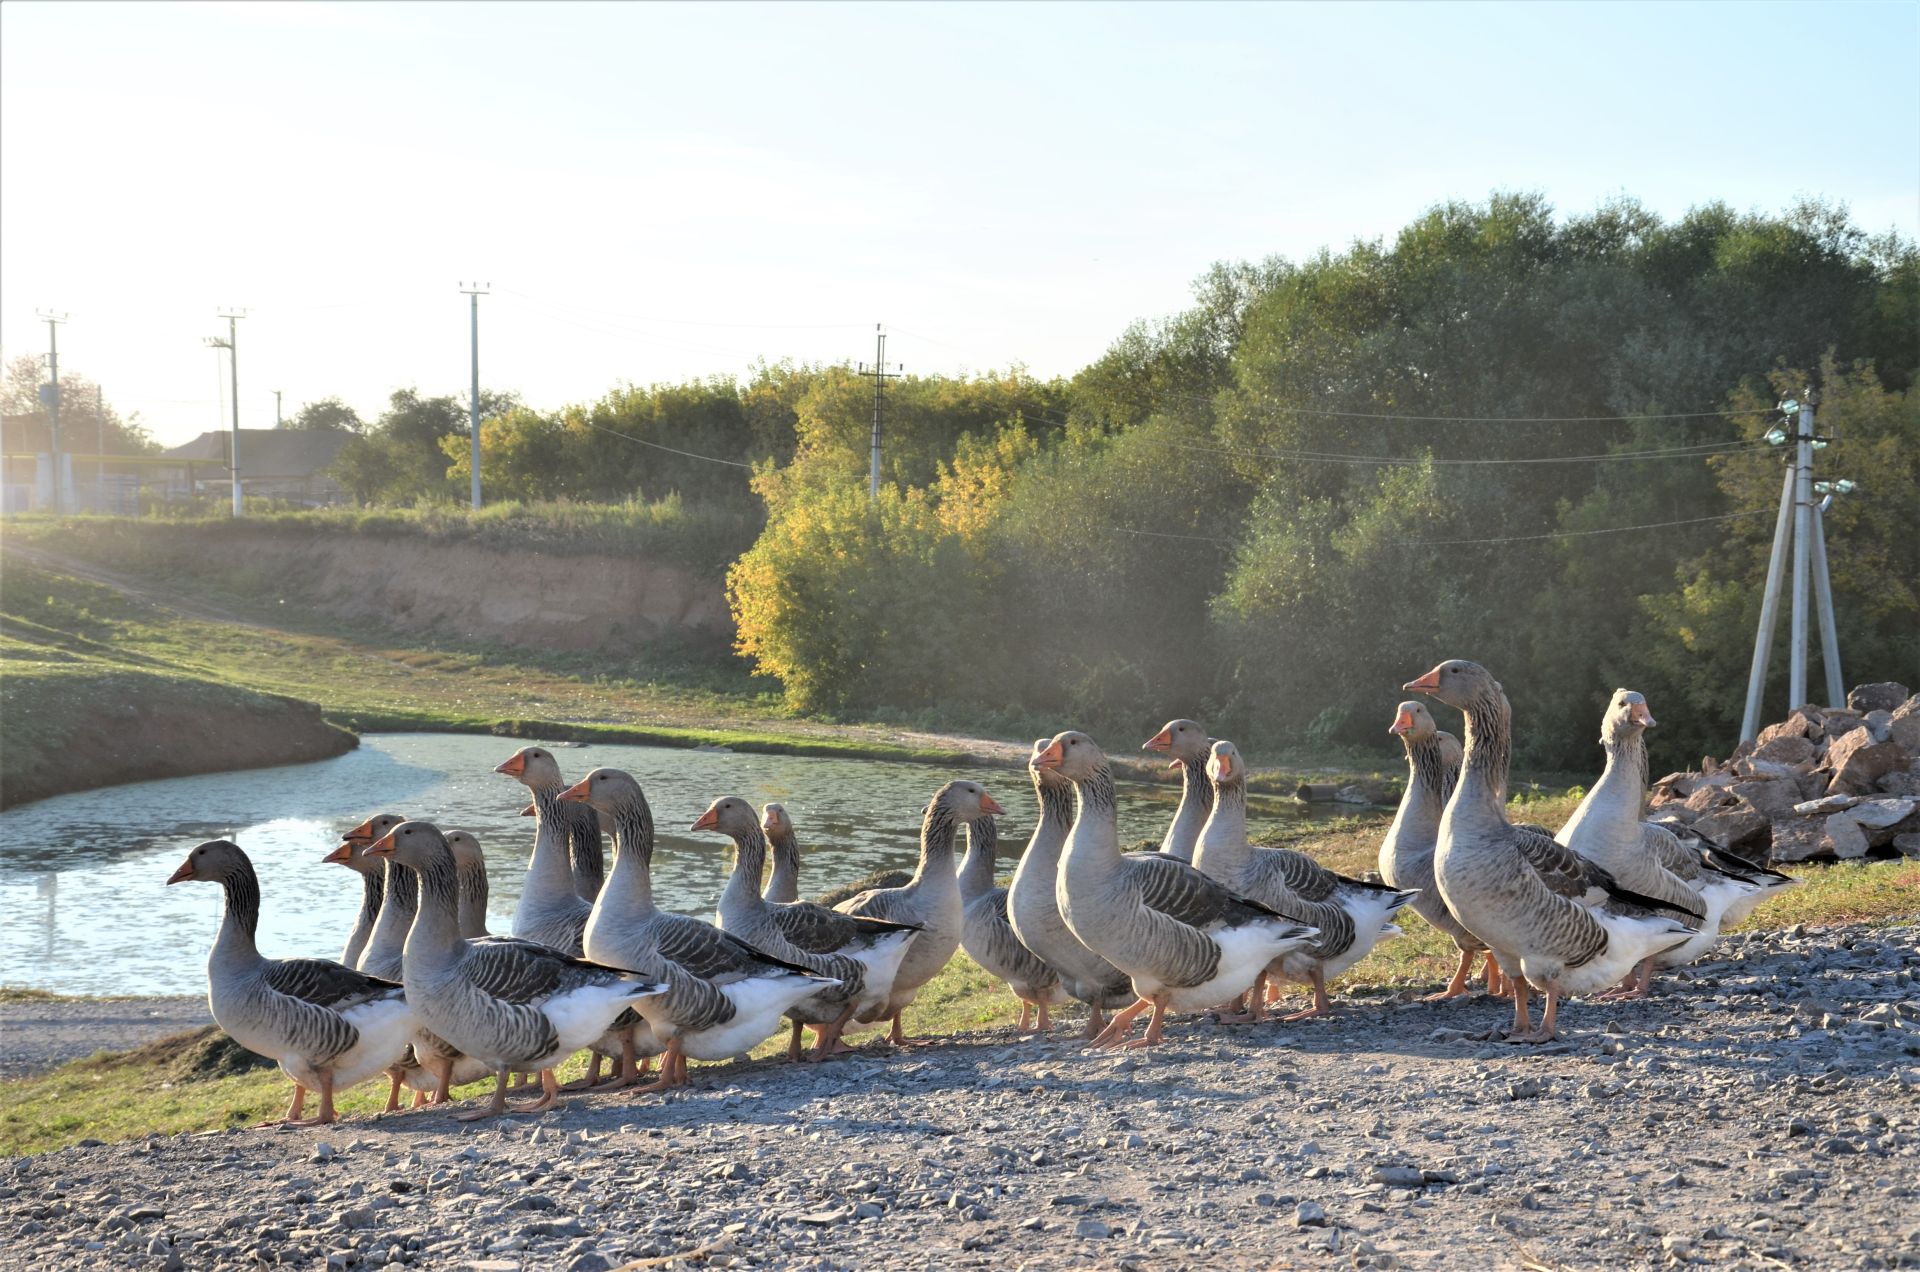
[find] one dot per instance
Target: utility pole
(53, 321)
(1799, 529)
(276, 409)
(880, 376)
(232, 345)
(473, 292)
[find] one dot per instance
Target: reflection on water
(84, 909)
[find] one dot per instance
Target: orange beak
(1051, 757)
(514, 765)
(1426, 684)
(1223, 765)
(1402, 723)
(769, 822)
(184, 873)
(1161, 741)
(989, 805)
(528, 811)
(339, 856)
(707, 820)
(383, 847)
(577, 792)
(1639, 714)
(360, 834)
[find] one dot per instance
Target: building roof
(268, 452)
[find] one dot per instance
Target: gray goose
(986, 932)
(1551, 917)
(1186, 741)
(328, 1025)
(373, 881)
(1406, 854)
(1033, 905)
(783, 885)
(863, 955)
(1608, 829)
(471, 864)
(551, 909)
(930, 899)
(1186, 941)
(1351, 915)
(723, 997)
(513, 1005)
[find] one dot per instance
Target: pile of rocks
(1824, 782)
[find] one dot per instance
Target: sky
(655, 192)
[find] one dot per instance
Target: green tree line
(1501, 434)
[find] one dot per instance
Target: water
(84, 908)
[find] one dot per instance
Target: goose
(1406, 854)
(1608, 829)
(863, 955)
(1033, 905)
(783, 885)
(930, 898)
(723, 996)
(513, 1005)
(1186, 941)
(1550, 917)
(1351, 916)
(1186, 741)
(328, 1025)
(551, 909)
(987, 935)
(1690, 863)
(373, 882)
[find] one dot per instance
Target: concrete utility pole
(276, 409)
(232, 345)
(53, 322)
(1799, 528)
(474, 292)
(880, 376)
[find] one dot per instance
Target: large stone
(1899, 782)
(1800, 724)
(1858, 762)
(1708, 797)
(1675, 787)
(1771, 797)
(1904, 728)
(1798, 838)
(1785, 750)
(1907, 845)
(1733, 828)
(1880, 725)
(1845, 839)
(1882, 819)
(1884, 696)
(1837, 723)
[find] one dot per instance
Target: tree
(328, 415)
(87, 419)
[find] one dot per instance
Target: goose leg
(1026, 1012)
(293, 1109)
(419, 1099)
(494, 1107)
(1096, 1021)
(1522, 1020)
(828, 1042)
(671, 1072)
(1122, 1021)
(1634, 986)
(1322, 1005)
(548, 1097)
(393, 1091)
(793, 1043)
(1548, 1019)
(1457, 987)
(1496, 979)
(1154, 1026)
(443, 1089)
(1045, 1025)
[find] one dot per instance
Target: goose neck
(1222, 847)
(784, 884)
(1489, 746)
(976, 868)
(234, 946)
(630, 882)
(1096, 818)
(435, 934)
(749, 860)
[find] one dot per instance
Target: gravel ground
(36, 1036)
(1761, 1112)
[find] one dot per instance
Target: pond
(84, 908)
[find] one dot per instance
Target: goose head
(211, 862)
(967, 801)
(1225, 767)
(532, 766)
(465, 849)
(775, 821)
(1049, 776)
(604, 790)
(1627, 716)
(1186, 741)
(1413, 722)
(1457, 682)
(1072, 754)
(415, 844)
(731, 816)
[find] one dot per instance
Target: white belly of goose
(385, 1026)
(759, 1002)
(1628, 941)
(1244, 950)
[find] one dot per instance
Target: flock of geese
(424, 994)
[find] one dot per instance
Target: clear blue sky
(658, 191)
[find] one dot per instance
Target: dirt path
(1762, 1112)
(36, 1036)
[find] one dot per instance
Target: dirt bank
(39, 1034)
(73, 726)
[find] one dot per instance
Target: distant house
(275, 463)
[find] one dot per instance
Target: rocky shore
(1761, 1111)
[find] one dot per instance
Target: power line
(1695, 451)
(684, 322)
(1444, 543)
(1485, 419)
(711, 459)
